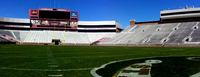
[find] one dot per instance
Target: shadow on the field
(170, 67)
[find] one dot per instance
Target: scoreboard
(56, 19)
(54, 14)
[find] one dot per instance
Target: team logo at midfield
(179, 66)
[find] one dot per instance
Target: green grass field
(72, 61)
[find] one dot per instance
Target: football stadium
(54, 42)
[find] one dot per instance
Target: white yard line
(59, 75)
(53, 66)
(24, 69)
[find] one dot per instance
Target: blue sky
(120, 10)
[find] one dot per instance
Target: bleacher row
(168, 33)
(46, 37)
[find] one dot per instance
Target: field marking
(102, 56)
(24, 69)
(53, 66)
(60, 75)
(78, 57)
(3, 56)
(117, 55)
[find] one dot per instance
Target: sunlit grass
(73, 57)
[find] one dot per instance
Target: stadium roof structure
(15, 20)
(92, 23)
(176, 15)
(88, 23)
(180, 10)
(180, 15)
